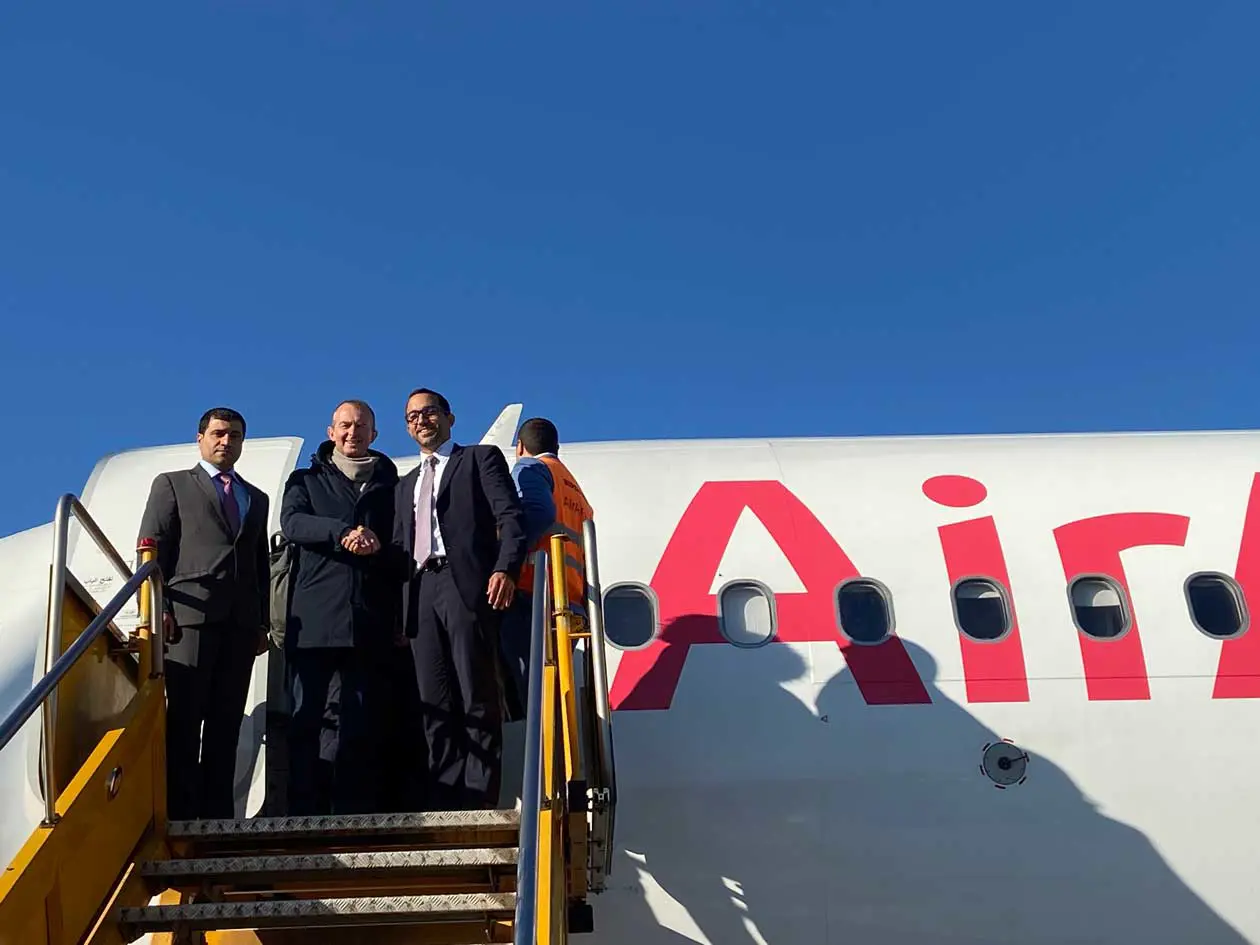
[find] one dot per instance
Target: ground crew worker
(539, 442)
(536, 487)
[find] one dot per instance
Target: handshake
(361, 541)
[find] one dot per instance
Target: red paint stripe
(1115, 669)
(648, 678)
(1238, 672)
(994, 671)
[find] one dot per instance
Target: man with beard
(460, 536)
(210, 526)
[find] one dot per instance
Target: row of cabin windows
(746, 610)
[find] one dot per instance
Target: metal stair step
(326, 865)
(316, 913)
(465, 828)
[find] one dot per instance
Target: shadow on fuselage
(766, 821)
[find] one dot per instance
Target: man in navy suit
(460, 530)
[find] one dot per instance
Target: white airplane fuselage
(806, 788)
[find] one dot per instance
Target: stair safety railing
(50, 892)
(57, 665)
(528, 865)
(568, 795)
(604, 784)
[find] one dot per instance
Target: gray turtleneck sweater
(357, 469)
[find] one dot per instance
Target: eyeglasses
(427, 413)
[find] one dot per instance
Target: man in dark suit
(343, 619)
(459, 533)
(210, 526)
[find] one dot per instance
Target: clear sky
(643, 219)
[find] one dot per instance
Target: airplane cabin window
(980, 609)
(1217, 605)
(630, 616)
(1098, 608)
(746, 613)
(864, 611)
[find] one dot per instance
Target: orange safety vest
(572, 510)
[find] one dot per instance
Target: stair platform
(489, 908)
(248, 869)
(476, 828)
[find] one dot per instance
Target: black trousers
(515, 638)
(406, 773)
(207, 681)
(514, 641)
(336, 744)
(457, 672)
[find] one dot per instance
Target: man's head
(429, 418)
(537, 436)
(220, 436)
(353, 428)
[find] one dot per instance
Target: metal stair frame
(453, 876)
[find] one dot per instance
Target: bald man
(344, 619)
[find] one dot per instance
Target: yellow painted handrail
(564, 660)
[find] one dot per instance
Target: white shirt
(443, 454)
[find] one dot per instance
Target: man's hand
(171, 630)
(361, 541)
(500, 590)
(264, 641)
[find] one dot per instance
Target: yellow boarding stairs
(107, 866)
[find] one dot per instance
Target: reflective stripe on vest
(572, 510)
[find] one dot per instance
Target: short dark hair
(362, 405)
(442, 401)
(226, 414)
(538, 435)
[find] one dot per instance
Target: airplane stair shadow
(850, 832)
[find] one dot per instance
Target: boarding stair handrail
(57, 665)
(531, 786)
(604, 800)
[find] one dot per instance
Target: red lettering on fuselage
(994, 670)
(1238, 672)
(648, 678)
(1115, 668)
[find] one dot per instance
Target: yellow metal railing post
(564, 659)
(152, 632)
(544, 918)
(147, 551)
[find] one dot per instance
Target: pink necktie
(423, 547)
(230, 508)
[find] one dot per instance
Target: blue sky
(641, 219)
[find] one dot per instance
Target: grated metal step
(223, 869)
(316, 913)
(466, 828)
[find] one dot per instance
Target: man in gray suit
(210, 526)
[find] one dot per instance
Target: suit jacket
(210, 575)
(479, 513)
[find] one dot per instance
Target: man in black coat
(344, 624)
(459, 535)
(210, 526)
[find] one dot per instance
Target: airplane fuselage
(904, 690)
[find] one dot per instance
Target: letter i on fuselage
(993, 669)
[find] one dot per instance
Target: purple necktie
(424, 514)
(230, 508)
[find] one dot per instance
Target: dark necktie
(230, 508)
